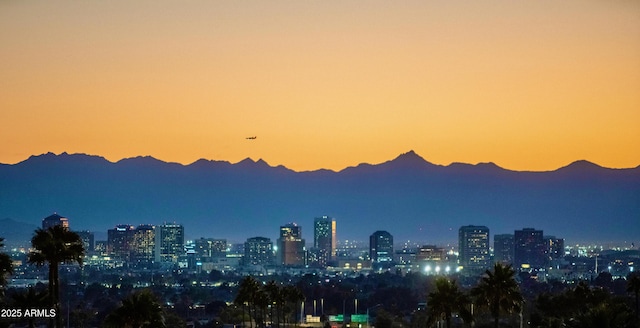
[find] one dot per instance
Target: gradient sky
(529, 85)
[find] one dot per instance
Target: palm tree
(294, 296)
(261, 301)
(249, 286)
(139, 310)
(446, 300)
(633, 286)
(499, 291)
(6, 266)
(55, 245)
(275, 297)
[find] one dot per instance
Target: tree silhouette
(261, 301)
(6, 267)
(30, 299)
(54, 246)
(139, 310)
(247, 291)
(276, 299)
(633, 286)
(446, 300)
(499, 291)
(293, 297)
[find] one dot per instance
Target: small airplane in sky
(251, 138)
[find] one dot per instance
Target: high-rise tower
(473, 243)
(169, 243)
(381, 248)
(258, 251)
(529, 249)
(503, 248)
(120, 241)
(54, 220)
(291, 247)
(324, 239)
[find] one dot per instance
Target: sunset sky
(528, 85)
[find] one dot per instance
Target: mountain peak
(581, 166)
(410, 159)
(248, 162)
(64, 157)
(146, 160)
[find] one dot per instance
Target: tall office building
(119, 241)
(503, 248)
(143, 246)
(207, 248)
(473, 243)
(529, 249)
(258, 251)
(291, 246)
(54, 220)
(169, 243)
(324, 239)
(381, 247)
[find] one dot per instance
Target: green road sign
(336, 318)
(358, 318)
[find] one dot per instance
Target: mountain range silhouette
(408, 196)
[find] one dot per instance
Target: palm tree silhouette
(139, 310)
(446, 300)
(55, 245)
(276, 298)
(499, 291)
(246, 296)
(293, 296)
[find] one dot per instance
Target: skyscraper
(258, 251)
(119, 241)
(291, 246)
(324, 239)
(473, 243)
(529, 249)
(207, 248)
(169, 243)
(503, 248)
(54, 220)
(143, 246)
(381, 248)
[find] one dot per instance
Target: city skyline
(528, 86)
(290, 229)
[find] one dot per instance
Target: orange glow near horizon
(528, 86)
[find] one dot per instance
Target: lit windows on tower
(169, 243)
(54, 220)
(291, 246)
(381, 248)
(324, 239)
(473, 244)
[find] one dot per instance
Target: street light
(369, 308)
